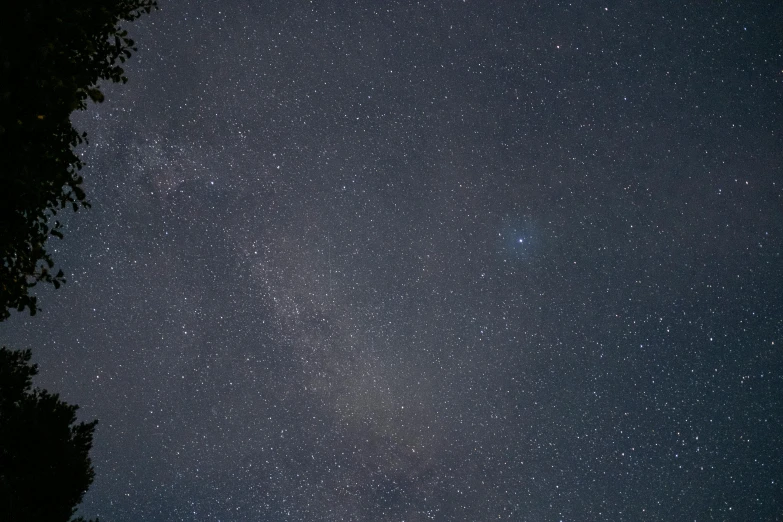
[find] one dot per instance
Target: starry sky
(453, 260)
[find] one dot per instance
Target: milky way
(430, 261)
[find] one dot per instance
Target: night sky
(455, 261)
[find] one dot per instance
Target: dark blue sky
(452, 260)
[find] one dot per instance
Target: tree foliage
(44, 464)
(53, 54)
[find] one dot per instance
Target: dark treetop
(44, 464)
(52, 56)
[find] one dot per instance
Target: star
(481, 292)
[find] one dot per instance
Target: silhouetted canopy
(52, 56)
(44, 464)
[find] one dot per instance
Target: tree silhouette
(44, 464)
(52, 56)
